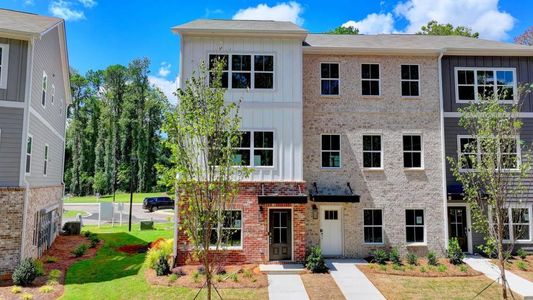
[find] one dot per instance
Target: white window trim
(410, 80)
(374, 226)
(329, 78)
(510, 223)
(368, 79)
(478, 152)
(252, 70)
(44, 89)
(424, 243)
(46, 156)
(4, 66)
(381, 168)
(241, 247)
(414, 151)
(30, 154)
(322, 151)
(475, 69)
(252, 148)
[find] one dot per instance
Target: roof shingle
(25, 23)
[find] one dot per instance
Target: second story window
(4, 57)
(44, 89)
(52, 94)
(329, 79)
(258, 145)
(474, 84)
(263, 71)
(29, 145)
(331, 151)
(372, 156)
(241, 71)
(224, 59)
(45, 171)
(410, 81)
(370, 80)
(471, 152)
(412, 151)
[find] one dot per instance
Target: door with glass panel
(457, 226)
(280, 234)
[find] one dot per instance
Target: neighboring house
(34, 94)
(351, 134)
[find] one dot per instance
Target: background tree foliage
(115, 114)
(344, 30)
(525, 38)
(434, 28)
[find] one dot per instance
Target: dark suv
(154, 203)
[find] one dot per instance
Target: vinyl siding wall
(16, 78)
(11, 121)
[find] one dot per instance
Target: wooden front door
(457, 226)
(280, 236)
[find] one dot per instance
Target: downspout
(443, 150)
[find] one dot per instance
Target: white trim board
(52, 129)
(12, 104)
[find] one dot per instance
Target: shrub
(163, 248)
(87, 233)
(463, 268)
(49, 259)
(398, 267)
(233, 277)
(39, 267)
(26, 296)
(172, 277)
(488, 249)
(423, 269)
(455, 253)
(383, 267)
(432, 258)
(52, 282)
(521, 265)
(412, 259)
(380, 256)
(25, 273)
(162, 267)
(315, 261)
(54, 274)
(80, 250)
(442, 268)
(394, 256)
(247, 273)
(219, 278)
(45, 289)
(16, 289)
(521, 253)
(196, 276)
(94, 240)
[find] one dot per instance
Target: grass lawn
(73, 213)
(119, 197)
(115, 275)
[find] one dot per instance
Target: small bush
(45, 289)
(87, 234)
(16, 289)
(398, 267)
(25, 273)
(94, 240)
(455, 253)
(380, 256)
(383, 267)
(412, 259)
(432, 258)
(521, 253)
(233, 277)
(463, 268)
(80, 250)
(521, 265)
(39, 267)
(172, 277)
(54, 274)
(394, 256)
(26, 296)
(161, 267)
(49, 259)
(52, 282)
(196, 276)
(219, 278)
(315, 261)
(163, 248)
(442, 268)
(423, 269)
(247, 273)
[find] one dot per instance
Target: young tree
(525, 38)
(492, 173)
(344, 30)
(434, 28)
(202, 132)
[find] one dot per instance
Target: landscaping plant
(442, 268)
(162, 267)
(161, 249)
(521, 253)
(16, 289)
(455, 253)
(26, 296)
(432, 258)
(394, 256)
(54, 274)
(25, 273)
(412, 259)
(315, 261)
(522, 265)
(463, 268)
(380, 256)
(45, 289)
(80, 250)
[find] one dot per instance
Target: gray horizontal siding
(16, 77)
(524, 72)
(11, 124)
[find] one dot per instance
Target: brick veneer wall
(12, 204)
(255, 224)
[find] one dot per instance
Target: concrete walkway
(352, 282)
(518, 284)
(286, 287)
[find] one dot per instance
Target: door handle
(270, 238)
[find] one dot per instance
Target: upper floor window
(372, 155)
(52, 94)
(474, 84)
(370, 80)
(241, 71)
(4, 59)
(29, 145)
(329, 79)
(45, 89)
(45, 171)
(471, 151)
(410, 81)
(258, 145)
(331, 151)
(412, 151)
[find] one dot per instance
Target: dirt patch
(423, 269)
(321, 286)
(229, 277)
(61, 251)
(133, 249)
(520, 267)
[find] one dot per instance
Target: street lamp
(133, 161)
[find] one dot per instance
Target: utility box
(72, 228)
(147, 225)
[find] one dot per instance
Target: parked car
(154, 203)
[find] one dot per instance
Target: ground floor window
(373, 226)
(230, 230)
(516, 226)
(414, 222)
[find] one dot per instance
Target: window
(520, 223)
(29, 145)
(256, 144)
(45, 88)
(45, 159)
(480, 83)
(373, 226)
(213, 59)
(4, 60)
(241, 155)
(241, 71)
(470, 152)
(331, 214)
(372, 151)
(414, 225)
(329, 79)
(52, 94)
(370, 80)
(410, 81)
(331, 151)
(412, 151)
(244, 71)
(263, 71)
(230, 230)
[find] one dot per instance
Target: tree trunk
(501, 260)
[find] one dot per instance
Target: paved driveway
(138, 214)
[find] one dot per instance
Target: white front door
(331, 230)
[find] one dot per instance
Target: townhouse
(348, 134)
(34, 95)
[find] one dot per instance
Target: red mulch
(61, 249)
(133, 249)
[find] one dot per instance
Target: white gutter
(443, 151)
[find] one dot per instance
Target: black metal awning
(454, 192)
(348, 197)
(278, 199)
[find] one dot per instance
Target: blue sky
(105, 32)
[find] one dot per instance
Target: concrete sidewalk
(286, 287)
(351, 281)
(518, 284)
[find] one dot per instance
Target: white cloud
(286, 11)
(88, 3)
(483, 16)
(62, 9)
(168, 87)
(164, 69)
(373, 24)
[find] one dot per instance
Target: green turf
(116, 275)
(119, 197)
(73, 213)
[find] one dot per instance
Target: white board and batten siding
(278, 110)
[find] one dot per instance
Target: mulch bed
(61, 249)
(415, 271)
(134, 249)
(255, 279)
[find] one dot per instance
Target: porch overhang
(335, 198)
(279, 199)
